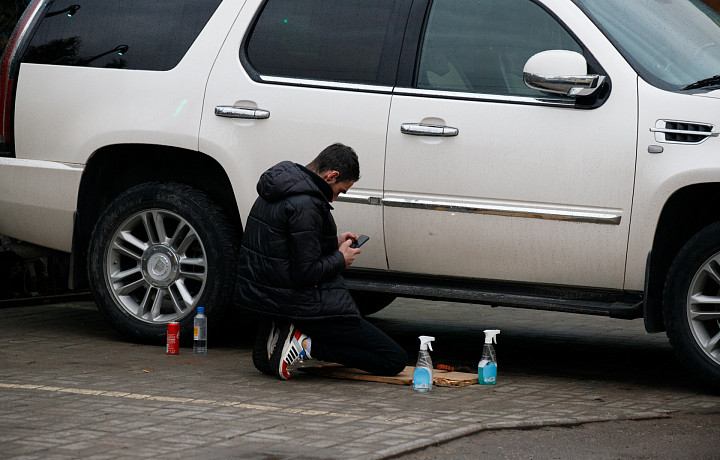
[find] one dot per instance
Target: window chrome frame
(326, 84)
(419, 92)
(486, 97)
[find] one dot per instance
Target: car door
(488, 178)
(306, 75)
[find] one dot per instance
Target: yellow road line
(207, 402)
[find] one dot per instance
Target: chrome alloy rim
(156, 266)
(703, 307)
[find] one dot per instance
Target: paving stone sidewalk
(70, 387)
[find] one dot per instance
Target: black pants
(354, 343)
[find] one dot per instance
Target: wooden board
(441, 378)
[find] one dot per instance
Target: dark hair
(340, 158)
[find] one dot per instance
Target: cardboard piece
(454, 379)
(441, 378)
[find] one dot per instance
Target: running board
(616, 304)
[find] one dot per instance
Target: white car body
(527, 193)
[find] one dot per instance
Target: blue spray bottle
(487, 367)
(423, 375)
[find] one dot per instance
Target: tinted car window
(334, 40)
(123, 34)
(482, 46)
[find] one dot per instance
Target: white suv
(550, 154)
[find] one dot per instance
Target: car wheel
(692, 304)
(369, 302)
(157, 252)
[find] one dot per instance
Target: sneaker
(288, 352)
(265, 341)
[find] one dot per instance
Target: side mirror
(561, 72)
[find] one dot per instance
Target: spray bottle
(423, 375)
(487, 367)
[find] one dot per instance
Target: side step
(616, 304)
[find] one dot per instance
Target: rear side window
(121, 34)
(331, 40)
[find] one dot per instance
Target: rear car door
(533, 187)
(304, 76)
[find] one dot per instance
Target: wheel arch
(686, 212)
(113, 169)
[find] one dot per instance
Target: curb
(403, 449)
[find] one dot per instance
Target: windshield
(670, 43)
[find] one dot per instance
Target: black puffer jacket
(289, 261)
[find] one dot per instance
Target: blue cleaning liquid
(421, 379)
(487, 374)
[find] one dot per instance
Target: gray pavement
(680, 436)
(70, 387)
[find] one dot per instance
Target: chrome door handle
(419, 129)
(241, 112)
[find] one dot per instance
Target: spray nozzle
(490, 335)
(425, 342)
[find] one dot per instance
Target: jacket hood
(287, 178)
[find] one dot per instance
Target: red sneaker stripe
(284, 370)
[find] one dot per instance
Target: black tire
(194, 264)
(694, 272)
(369, 302)
(264, 342)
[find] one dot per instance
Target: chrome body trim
(326, 84)
(564, 102)
(661, 130)
(589, 216)
(685, 131)
(359, 198)
(610, 217)
(241, 112)
(561, 102)
(571, 85)
(420, 129)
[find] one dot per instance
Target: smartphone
(360, 241)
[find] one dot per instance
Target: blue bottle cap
(201, 309)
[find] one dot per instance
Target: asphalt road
(679, 436)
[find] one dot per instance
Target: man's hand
(348, 252)
(346, 236)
